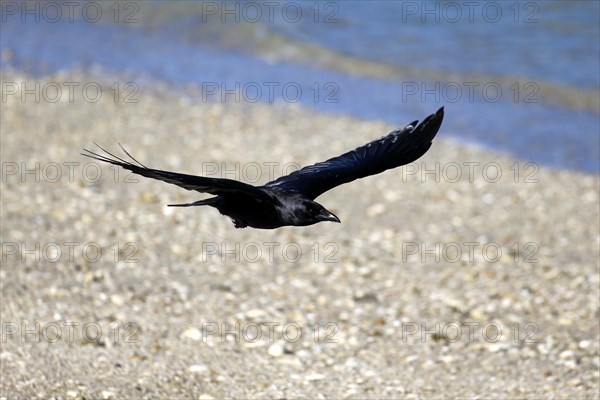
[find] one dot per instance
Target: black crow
(289, 200)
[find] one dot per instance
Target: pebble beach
(468, 274)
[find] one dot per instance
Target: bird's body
(289, 200)
(285, 209)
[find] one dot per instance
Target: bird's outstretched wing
(200, 184)
(400, 147)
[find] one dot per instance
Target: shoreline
(349, 85)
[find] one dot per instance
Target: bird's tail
(205, 202)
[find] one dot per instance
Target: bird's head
(317, 213)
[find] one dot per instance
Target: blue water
(561, 48)
(557, 41)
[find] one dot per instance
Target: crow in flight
(289, 200)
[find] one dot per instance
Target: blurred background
(520, 77)
(199, 87)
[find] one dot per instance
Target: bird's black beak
(328, 216)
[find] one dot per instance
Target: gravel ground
(433, 286)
